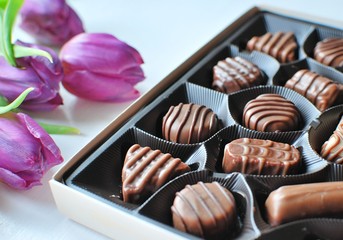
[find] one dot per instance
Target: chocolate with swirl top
(261, 157)
(206, 210)
(332, 149)
(189, 123)
(146, 170)
(321, 91)
(279, 45)
(330, 52)
(233, 74)
(271, 113)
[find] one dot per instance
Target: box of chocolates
(242, 141)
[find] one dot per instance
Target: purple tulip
(37, 72)
(26, 151)
(100, 67)
(51, 22)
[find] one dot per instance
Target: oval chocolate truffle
(233, 74)
(207, 210)
(261, 157)
(146, 170)
(330, 52)
(271, 113)
(279, 45)
(189, 123)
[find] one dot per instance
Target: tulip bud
(26, 151)
(100, 67)
(37, 72)
(51, 22)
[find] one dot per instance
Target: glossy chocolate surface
(280, 45)
(189, 123)
(271, 113)
(233, 74)
(207, 210)
(332, 149)
(321, 91)
(146, 170)
(294, 202)
(330, 52)
(261, 157)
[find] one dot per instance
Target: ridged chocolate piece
(294, 202)
(206, 210)
(146, 170)
(233, 74)
(189, 123)
(260, 157)
(279, 45)
(332, 149)
(330, 52)
(321, 91)
(271, 113)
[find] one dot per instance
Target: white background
(166, 33)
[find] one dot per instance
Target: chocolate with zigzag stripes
(189, 123)
(233, 74)
(330, 52)
(146, 170)
(271, 113)
(207, 210)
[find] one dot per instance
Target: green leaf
(59, 129)
(3, 4)
(22, 51)
(3, 101)
(16, 103)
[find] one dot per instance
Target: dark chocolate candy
(332, 149)
(321, 91)
(207, 210)
(261, 157)
(233, 74)
(279, 45)
(294, 202)
(330, 52)
(189, 123)
(271, 113)
(146, 170)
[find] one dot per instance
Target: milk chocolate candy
(260, 157)
(271, 113)
(206, 210)
(330, 52)
(233, 74)
(146, 170)
(332, 149)
(312, 200)
(279, 45)
(189, 123)
(321, 91)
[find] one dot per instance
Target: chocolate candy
(280, 45)
(330, 52)
(271, 113)
(294, 202)
(332, 149)
(146, 170)
(189, 123)
(206, 210)
(233, 74)
(261, 157)
(321, 91)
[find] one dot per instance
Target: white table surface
(166, 33)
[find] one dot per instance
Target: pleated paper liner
(287, 71)
(101, 173)
(268, 22)
(203, 72)
(318, 34)
(159, 206)
(186, 93)
(237, 102)
(320, 132)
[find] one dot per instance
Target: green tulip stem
(59, 129)
(16, 103)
